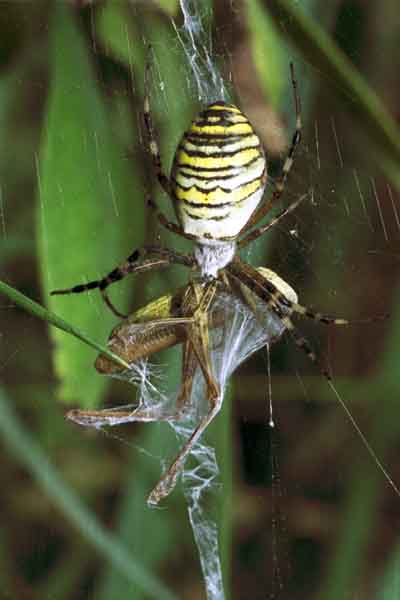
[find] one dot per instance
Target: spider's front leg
(135, 263)
(150, 129)
(155, 155)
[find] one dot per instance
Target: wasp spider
(217, 184)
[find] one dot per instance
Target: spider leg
(300, 341)
(268, 292)
(162, 219)
(149, 124)
(133, 264)
(273, 298)
(280, 182)
(283, 307)
(253, 235)
(156, 158)
(328, 319)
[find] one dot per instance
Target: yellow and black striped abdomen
(219, 173)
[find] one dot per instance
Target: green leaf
(86, 198)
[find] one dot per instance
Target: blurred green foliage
(73, 172)
(77, 205)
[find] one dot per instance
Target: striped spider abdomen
(219, 173)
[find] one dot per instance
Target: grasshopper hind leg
(196, 353)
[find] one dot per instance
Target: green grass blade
(42, 313)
